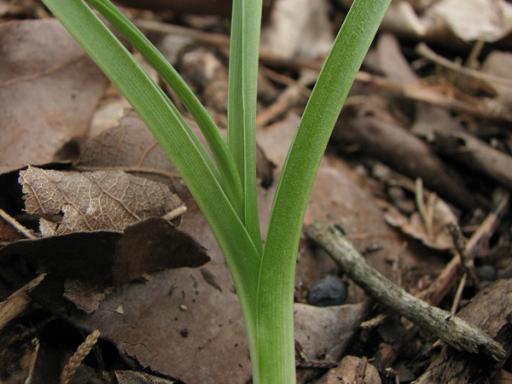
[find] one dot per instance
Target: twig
(285, 100)
(427, 214)
(176, 212)
(81, 353)
(429, 54)
(489, 310)
(476, 50)
(404, 152)
(466, 262)
(451, 329)
(17, 225)
(17, 302)
(472, 152)
(458, 295)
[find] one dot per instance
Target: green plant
(222, 177)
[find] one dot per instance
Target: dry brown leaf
(106, 258)
(130, 145)
(324, 332)
(91, 201)
(437, 236)
(392, 62)
(451, 21)
(289, 16)
(470, 20)
(352, 369)
(498, 63)
(43, 101)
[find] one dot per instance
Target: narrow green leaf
(275, 288)
(230, 178)
(242, 97)
(175, 137)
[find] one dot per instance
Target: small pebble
(486, 272)
(330, 290)
(184, 333)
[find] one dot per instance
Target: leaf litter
(43, 103)
(102, 222)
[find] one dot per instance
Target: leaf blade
(180, 144)
(276, 276)
(242, 98)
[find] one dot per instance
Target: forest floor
(417, 178)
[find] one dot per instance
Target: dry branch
(451, 329)
(472, 152)
(490, 311)
(406, 153)
(17, 302)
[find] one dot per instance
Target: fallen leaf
(131, 146)
(179, 318)
(352, 369)
(43, 102)
(470, 20)
(91, 201)
(438, 236)
(127, 144)
(289, 16)
(324, 332)
(392, 62)
(106, 258)
(498, 63)
(277, 138)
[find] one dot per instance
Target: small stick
(176, 212)
(467, 263)
(17, 302)
(429, 54)
(17, 225)
(451, 329)
(285, 100)
(458, 295)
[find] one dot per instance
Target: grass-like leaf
(242, 90)
(171, 131)
(277, 270)
(225, 186)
